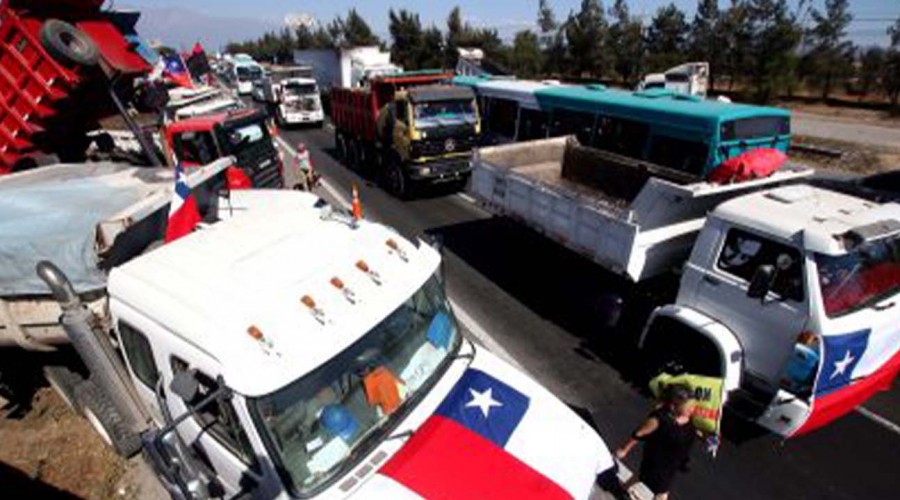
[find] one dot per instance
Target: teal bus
(683, 132)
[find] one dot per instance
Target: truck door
(217, 434)
(765, 327)
(142, 364)
(401, 129)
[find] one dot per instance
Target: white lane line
(469, 323)
(467, 198)
(878, 419)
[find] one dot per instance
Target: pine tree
(525, 56)
(830, 54)
(406, 32)
(625, 42)
(707, 37)
(585, 34)
(890, 75)
(772, 49)
(667, 38)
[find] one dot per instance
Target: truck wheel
(68, 44)
(65, 382)
(352, 154)
(396, 182)
(340, 147)
(105, 419)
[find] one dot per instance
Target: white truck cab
(690, 79)
(301, 353)
(790, 294)
(297, 101)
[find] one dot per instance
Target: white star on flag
(483, 400)
(841, 366)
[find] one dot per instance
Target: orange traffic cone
(357, 206)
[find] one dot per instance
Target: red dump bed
(36, 90)
(355, 111)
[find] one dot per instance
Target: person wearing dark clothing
(668, 436)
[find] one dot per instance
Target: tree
(830, 55)
(625, 42)
(585, 34)
(890, 76)
(738, 36)
(525, 59)
(463, 34)
(406, 32)
(667, 38)
(771, 59)
(455, 32)
(354, 31)
(871, 64)
(552, 38)
(432, 48)
(707, 40)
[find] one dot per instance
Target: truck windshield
(243, 136)
(301, 88)
(859, 279)
(434, 114)
(249, 73)
(323, 423)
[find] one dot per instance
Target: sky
(508, 16)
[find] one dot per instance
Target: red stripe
(842, 401)
(444, 460)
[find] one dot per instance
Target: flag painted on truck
(855, 366)
(468, 448)
(183, 213)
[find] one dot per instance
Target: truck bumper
(441, 170)
(295, 118)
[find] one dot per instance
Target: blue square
(485, 405)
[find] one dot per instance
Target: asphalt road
(540, 303)
(839, 130)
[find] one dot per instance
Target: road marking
(469, 323)
(878, 419)
(467, 198)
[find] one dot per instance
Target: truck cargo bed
(633, 217)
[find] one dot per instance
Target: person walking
(668, 436)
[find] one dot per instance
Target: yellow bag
(707, 393)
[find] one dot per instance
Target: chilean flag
(855, 366)
(466, 449)
(183, 212)
(176, 71)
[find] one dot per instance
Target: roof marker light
(317, 312)
(374, 276)
(395, 247)
(346, 292)
(267, 346)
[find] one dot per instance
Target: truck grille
(445, 145)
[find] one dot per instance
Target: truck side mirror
(185, 385)
(762, 281)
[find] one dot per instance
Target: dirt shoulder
(856, 159)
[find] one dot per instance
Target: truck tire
(395, 180)
(65, 382)
(340, 147)
(106, 420)
(68, 44)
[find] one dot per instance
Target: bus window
(532, 125)
(501, 119)
(759, 127)
(565, 122)
(686, 156)
(620, 136)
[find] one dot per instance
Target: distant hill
(179, 27)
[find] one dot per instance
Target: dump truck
(407, 129)
(239, 376)
(786, 292)
(57, 56)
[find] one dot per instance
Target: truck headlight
(424, 170)
(424, 135)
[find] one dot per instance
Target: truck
(56, 56)
(346, 67)
(786, 291)
(243, 73)
(240, 133)
(688, 79)
(407, 129)
(292, 96)
(235, 374)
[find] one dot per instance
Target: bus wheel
(106, 420)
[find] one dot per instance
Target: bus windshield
(323, 423)
(433, 114)
(861, 278)
(249, 73)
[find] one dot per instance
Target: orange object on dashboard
(382, 389)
